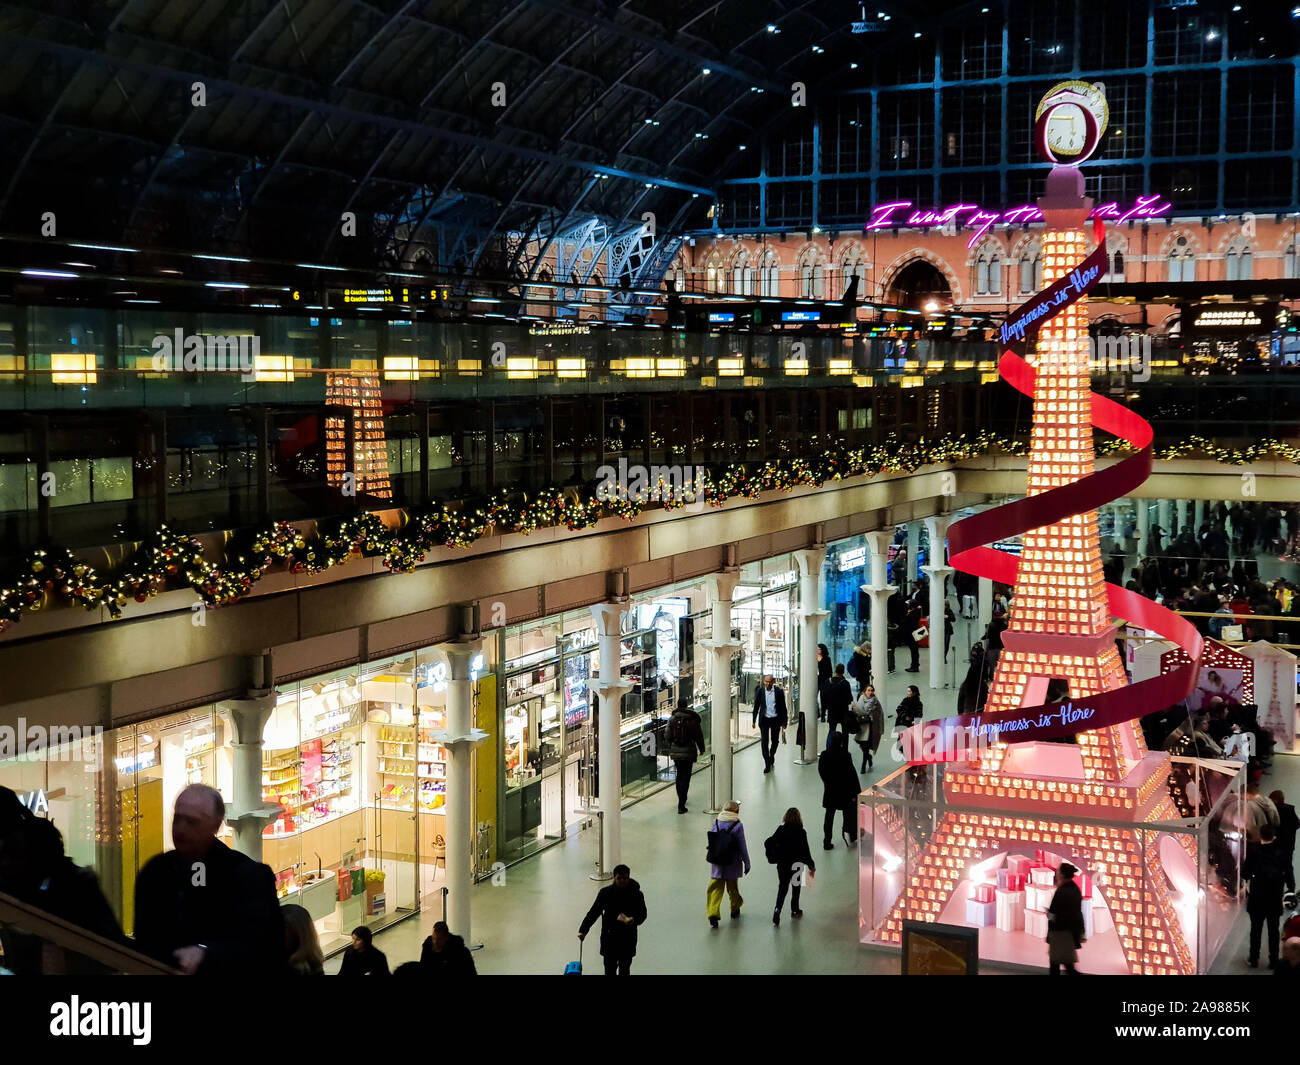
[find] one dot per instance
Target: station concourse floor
(529, 925)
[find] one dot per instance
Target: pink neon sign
(962, 215)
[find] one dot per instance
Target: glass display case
(1145, 883)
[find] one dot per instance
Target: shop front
(764, 618)
(350, 760)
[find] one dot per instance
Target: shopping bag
(574, 968)
(784, 738)
(921, 634)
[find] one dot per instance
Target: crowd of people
(200, 908)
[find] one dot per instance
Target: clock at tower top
(1069, 122)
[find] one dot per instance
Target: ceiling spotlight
(771, 28)
(705, 71)
(931, 306)
(1213, 35)
(1236, 7)
(853, 66)
(917, 33)
(741, 147)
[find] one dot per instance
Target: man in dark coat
(621, 909)
(685, 737)
(837, 697)
(1263, 868)
(1065, 927)
(35, 869)
(445, 955)
(206, 908)
(770, 716)
(1288, 823)
(840, 789)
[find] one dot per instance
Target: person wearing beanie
(1065, 922)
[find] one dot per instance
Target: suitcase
(574, 968)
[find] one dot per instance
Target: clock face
(1066, 130)
(1069, 122)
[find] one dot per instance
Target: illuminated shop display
(355, 444)
(1155, 842)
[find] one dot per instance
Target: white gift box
(1010, 910)
(1038, 898)
(1087, 918)
(1042, 877)
(1036, 923)
(980, 914)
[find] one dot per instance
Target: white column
(880, 591)
(913, 552)
(1199, 511)
(1143, 527)
(937, 571)
(610, 688)
(1181, 508)
(721, 648)
(1166, 520)
(810, 617)
(985, 606)
(247, 813)
(460, 738)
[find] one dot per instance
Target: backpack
(772, 849)
(724, 848)
(677, 736)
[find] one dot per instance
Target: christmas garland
(169, 560)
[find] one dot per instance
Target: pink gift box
(1015, 882)
(1010, 910)
(1085, 885)
(1042, 875)
(981, 914)
(1003, 874)
(1018, 864)
(1038, 898)
(983, 893)
(1046, 857)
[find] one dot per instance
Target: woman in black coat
(840, 789)
(910, 710)
(824, 667)
(787, 846)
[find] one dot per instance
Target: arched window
(1237, 263)
(769, 276)
(742, 277)
(849, 269)
(1182, 261)
(812, 281)
(1031, 269)
(1117, 266)
(713, 277)
(988, 272)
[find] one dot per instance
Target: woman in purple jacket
(727, 876)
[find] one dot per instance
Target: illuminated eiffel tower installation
(1040, 795)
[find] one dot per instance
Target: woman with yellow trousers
(728, 858)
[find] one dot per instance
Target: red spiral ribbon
(937, 741)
